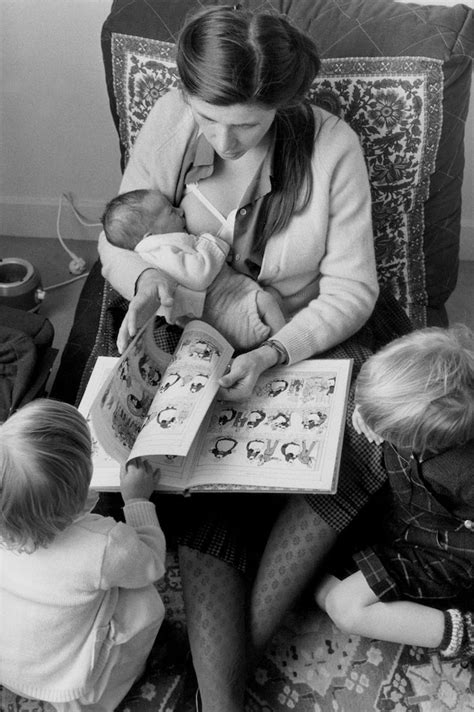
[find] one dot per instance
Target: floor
(52, 263)
(59, 304)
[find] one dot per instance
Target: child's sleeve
(135, 553)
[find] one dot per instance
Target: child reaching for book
(145, 221)
(79, 609)
(417, 396)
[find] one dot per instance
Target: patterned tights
(227, 628)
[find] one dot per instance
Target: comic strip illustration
(166, 408)
(153, 402)
(285, 436)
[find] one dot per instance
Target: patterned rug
(309, 667)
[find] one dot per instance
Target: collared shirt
(198, 165)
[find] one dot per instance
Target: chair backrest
(390, 70)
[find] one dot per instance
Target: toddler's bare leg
(355, 608)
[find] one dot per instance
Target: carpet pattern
(309, 667)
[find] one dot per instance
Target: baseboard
(32, 217)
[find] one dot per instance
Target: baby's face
(166, 218)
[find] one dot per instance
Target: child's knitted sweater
(56, 604)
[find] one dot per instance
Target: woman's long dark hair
(227, 56)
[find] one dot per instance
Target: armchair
(400, 74)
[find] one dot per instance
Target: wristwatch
(280, 350)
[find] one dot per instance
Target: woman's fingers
(123, 337)
(239, 382)
(154, 288)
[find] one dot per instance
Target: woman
(292, 181)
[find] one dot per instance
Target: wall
(56, 131)
(56, 128)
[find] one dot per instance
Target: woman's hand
(154, 288)
(362, 428)
(137, 480)
(244, 372)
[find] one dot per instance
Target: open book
(286, 437)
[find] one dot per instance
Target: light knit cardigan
(322, 264)
(56, 604)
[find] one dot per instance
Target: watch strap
(280, 350)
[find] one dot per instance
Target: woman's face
(232, 130)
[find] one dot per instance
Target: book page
(106, 474)
(287, 436)
(106, 469)
(122, 402)
(188, 387)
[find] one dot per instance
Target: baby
(145, 221)
(79, 609)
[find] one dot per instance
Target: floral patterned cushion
(393, 103)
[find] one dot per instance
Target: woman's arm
(324, 261)
(153, 288)
(155, 162)
(323, 265)
(244, 372)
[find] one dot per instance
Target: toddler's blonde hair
(45, 472)
(418, 391)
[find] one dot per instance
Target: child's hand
(137, 480)
(362, 428)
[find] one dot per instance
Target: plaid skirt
(411, 573)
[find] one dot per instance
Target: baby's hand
(362, 428)
(137, 480)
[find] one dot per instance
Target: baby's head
(45, 472)
(418, 391)
(129, 217)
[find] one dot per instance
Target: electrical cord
(41, 292)
(77, 264)
(67, 281)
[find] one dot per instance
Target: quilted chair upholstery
(400, 74)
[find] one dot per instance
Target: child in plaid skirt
(415, 584)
